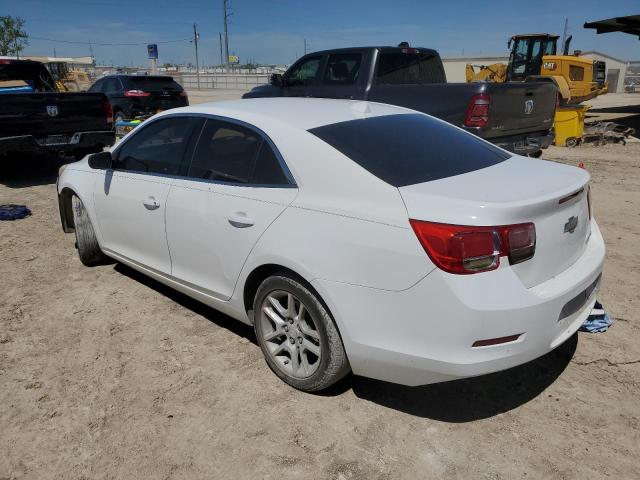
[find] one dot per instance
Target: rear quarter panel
(345, 225)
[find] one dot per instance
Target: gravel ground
(107, 374)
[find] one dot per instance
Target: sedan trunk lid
(518, 190)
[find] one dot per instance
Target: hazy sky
(273, 31)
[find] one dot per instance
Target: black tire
(571, 142)
(88, 248)
(334, 365)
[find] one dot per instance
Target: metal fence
(218, 80)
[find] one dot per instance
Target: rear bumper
(526, 144)
(71, 143)
(425, 334)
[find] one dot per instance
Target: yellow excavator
(534, 57)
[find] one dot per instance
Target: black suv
(140, 95)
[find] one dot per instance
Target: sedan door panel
(130, 208)
(212, 228)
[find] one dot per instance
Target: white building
(616, 68)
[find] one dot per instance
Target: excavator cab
(534, 58)
(526, 54)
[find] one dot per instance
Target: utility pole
(564, 34)
(226, 32)
(221, 61)
(91, 49)
(195, 41)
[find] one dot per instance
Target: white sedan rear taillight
(469, 249)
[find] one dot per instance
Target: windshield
(154, 84)
(407, 149)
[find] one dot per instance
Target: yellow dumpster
(569, 124)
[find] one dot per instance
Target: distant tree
(13, 38)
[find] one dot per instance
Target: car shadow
(30, 171)
(457, 401)
(474, 398)
(199, 308)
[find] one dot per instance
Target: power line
(106, 44)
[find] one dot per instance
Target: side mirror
(101, 160)
(277, 80)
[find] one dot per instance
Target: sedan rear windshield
(154, 84)
(409, 148)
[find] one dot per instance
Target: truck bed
(449, 101)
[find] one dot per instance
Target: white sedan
(354, 236)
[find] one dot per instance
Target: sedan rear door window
(231, 153)
(410, 148)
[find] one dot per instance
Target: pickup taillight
(477, 114)
(108, 111)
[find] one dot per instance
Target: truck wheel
(88, 248)
(297, 335)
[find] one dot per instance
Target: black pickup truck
(515, 116)
(35, 117)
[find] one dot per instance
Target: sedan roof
(298, 113)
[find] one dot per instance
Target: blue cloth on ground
(13, 212)
(598, 321)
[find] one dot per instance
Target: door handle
(240, 220)
(151, 203)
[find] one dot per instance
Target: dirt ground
(106, 374)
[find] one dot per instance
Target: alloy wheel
(290, 334)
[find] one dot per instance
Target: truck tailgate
(41, 114)
(519, 107)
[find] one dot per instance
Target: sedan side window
(230, 153)
(304, 73)
(158, 147)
